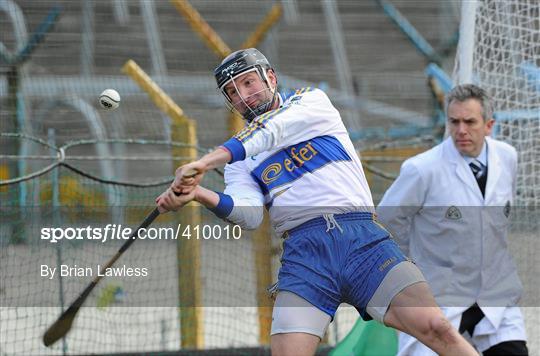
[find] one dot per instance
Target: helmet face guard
(241, 62)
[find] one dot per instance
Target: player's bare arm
(168, 201)
(184, 183)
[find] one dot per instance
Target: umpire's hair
(464, 92)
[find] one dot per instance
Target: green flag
(368, 339)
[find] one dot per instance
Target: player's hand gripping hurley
(63, 324)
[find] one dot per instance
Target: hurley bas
(76, 271)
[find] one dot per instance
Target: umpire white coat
(437, 214)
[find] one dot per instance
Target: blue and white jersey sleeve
(247, 199)
(307, 114)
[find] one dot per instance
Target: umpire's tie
(480, 173)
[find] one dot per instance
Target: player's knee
(431, 327)
(438, 327)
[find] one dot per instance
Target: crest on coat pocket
(453, 213)
(507, 209)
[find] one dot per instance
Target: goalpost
(499, 50)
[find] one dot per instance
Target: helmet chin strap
(250, 113)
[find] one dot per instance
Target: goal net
(499, 50)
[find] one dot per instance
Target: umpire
(449, 211)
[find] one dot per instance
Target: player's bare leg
(415, 312)
(294, 344)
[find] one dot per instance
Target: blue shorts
(334, 267)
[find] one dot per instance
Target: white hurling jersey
(298, 161)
